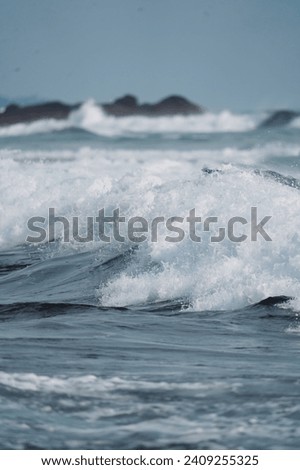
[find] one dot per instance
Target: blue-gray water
(151, 345)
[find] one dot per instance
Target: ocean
(181, 336)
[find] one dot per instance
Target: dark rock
(177, 105)
(279, 118)
(15, 114)
(172, 105)
(276, 300)
(126, 106)
(12, 108)
(128, 100)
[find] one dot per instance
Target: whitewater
(154, 344)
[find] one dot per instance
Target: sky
(224, 54)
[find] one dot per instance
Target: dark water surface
(78, 377)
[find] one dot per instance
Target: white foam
(92, 118)
(156, 183)
(223, 275)
(91, 385)
(37, 127)
(295, 123)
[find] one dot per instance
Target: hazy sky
(236, 54)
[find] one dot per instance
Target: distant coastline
(127, 105)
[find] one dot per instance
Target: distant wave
(36, 127)
(92, 118)
(113, 160)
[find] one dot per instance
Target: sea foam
(205, 275)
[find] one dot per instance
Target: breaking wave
(199, 276)
(92, 118)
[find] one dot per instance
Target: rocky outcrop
(15, 114)
(126, 106)
(279, 118)
(172, 105)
